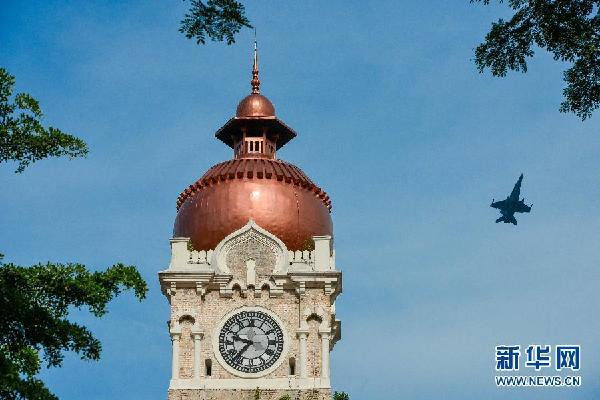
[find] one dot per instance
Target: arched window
(208, 365)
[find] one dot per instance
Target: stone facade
(187, 394)
(252, 269)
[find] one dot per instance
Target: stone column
(322, 252)
(180, 254)
(175, 336)
(197, 335)
(302, 362)
(325, 336)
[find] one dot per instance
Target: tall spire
(255, 82)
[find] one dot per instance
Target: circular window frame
(232, 370)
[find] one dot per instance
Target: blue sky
(394, 121)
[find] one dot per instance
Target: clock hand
(239, 339)
(242, 351)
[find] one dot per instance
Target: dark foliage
(23, 138)
(216, 19)
(35, 301)
(569, 29)
(34, 325)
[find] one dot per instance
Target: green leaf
(218, 20)
(34, 326)
(23, 138)
(568, 29)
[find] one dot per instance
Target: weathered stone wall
(193, 394)
(185, 302)
(208, 313)
(216, 307)
(200, 304)
(186, 349)
(251, 247)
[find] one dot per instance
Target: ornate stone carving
(251, 242)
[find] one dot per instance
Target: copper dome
(275, 194)
(255, 106)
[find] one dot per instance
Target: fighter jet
(511, 205)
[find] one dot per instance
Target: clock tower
(252, 280)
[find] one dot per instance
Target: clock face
(251, 341)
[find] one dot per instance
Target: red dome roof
(274, 193)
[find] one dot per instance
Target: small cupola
(255, 131)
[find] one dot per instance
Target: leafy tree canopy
(569, 29)
(34, 325)
(340, 396)
(35, 301)
(23, 138)
(216, 19)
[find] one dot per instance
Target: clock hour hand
(239, 339)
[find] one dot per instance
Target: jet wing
(522, 208)
(499, 204)
(516, 192)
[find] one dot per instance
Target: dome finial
(255, 81)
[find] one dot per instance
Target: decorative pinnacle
(255, 81)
